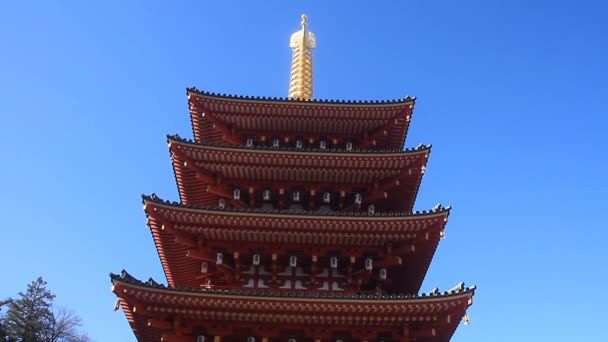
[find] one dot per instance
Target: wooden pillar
(349, 270)
(311, 199)
(313, 270)
(251, 197)
(281, 198)
(275, 267)
(405, 334)
(237, 266)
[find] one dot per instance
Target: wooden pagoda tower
(295, 224)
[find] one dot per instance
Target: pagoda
(295, 224)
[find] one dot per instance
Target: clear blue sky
(513, 95)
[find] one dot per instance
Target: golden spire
(301, 43)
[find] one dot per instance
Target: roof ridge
(177, 137)
(124, 276)
(437, 209)
(287, 99)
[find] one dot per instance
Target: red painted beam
(159, 324)
(200, 255)
(171, 337)
(185, 240)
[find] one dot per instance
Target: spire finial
(302, 42)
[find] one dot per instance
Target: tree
(30, 314)
(31, 317)
(3, 332)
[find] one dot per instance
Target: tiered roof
(434, 314)
(214, 116)
(176, 228)
(207, 167)
(197, 166)
(334, 271)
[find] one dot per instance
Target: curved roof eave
(194, 90)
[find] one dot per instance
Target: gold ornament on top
(302, 42)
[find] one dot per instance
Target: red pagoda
(295, 224)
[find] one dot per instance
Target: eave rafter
(231, 133)
(368, 138)
(212, 180)
(202, 174)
